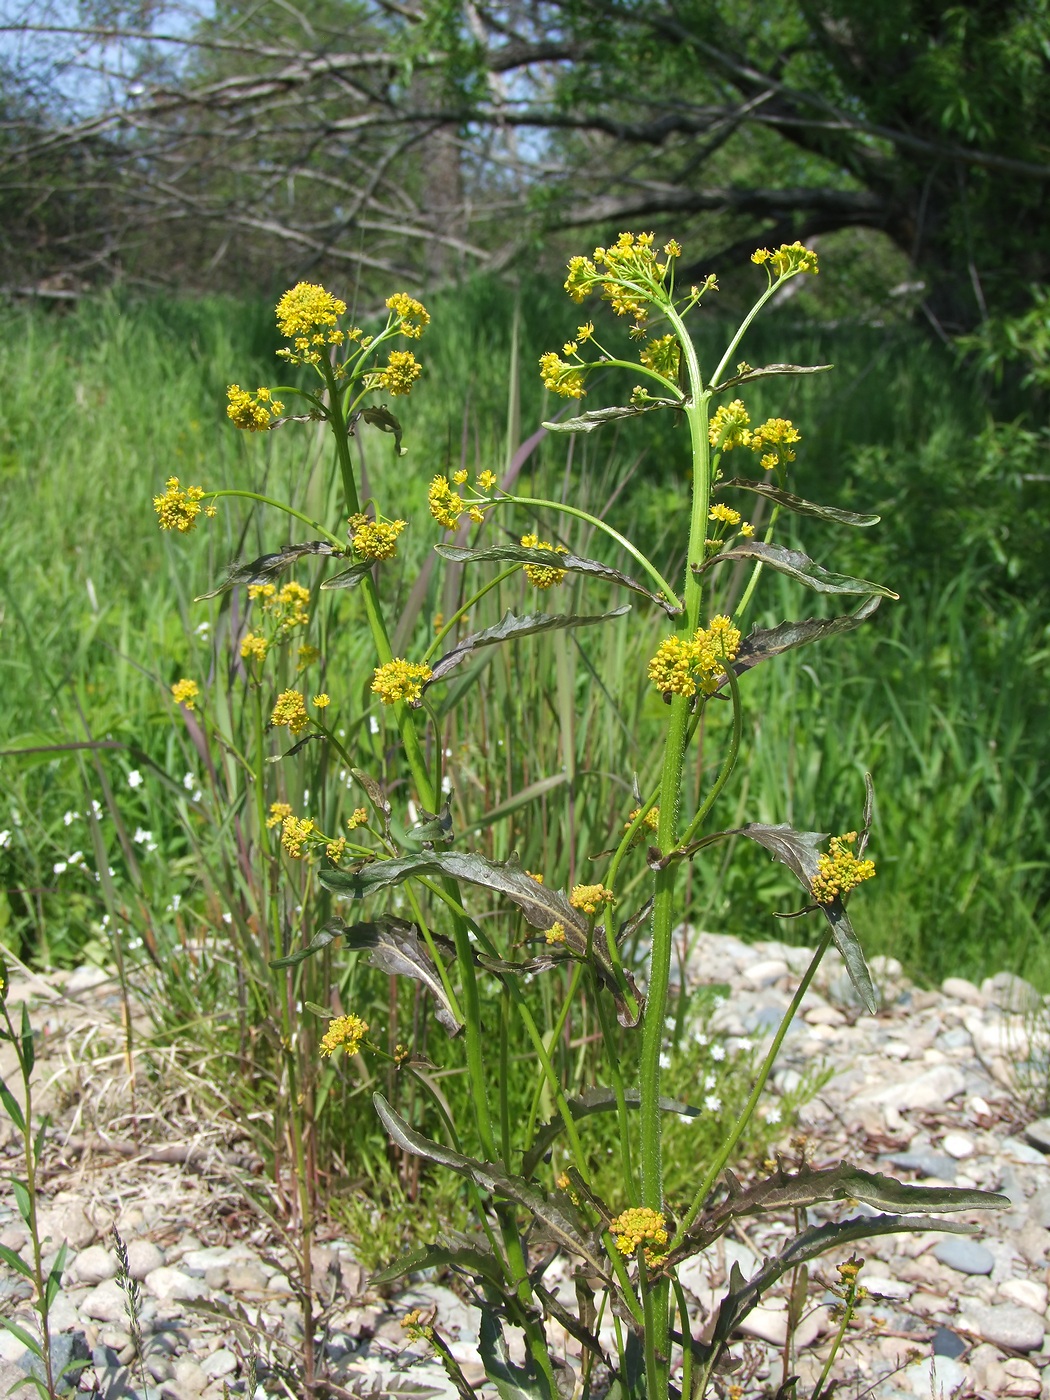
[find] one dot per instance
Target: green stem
(556, 1032)
(716, 378)
(288, 510)
(623, 1123)
(725, 1151)
(462, 612)
(728, 764)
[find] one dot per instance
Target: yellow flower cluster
(729, 427)
(778, 434)
(322, 701)
(683, 663)
(562, 378)
(278, 812)
(400, 680)
(590, 898)
(637, 1226)
(446, 505)
(252, 412)
(287, 606)
(726, 514)
(662, 355)
(290, 709)
(178, 509)
(556, 933)
(254, 646)
(347, 1031)
(413, 315)
(840, 871)
(416, 1326)
(358, 817)
(787, 259)
(542, 575)
(185, 692)
(486, 480)
(374, 539)
(629, 265)
(306, 655)
(401, 371)
(295, 835)
(334, 849)
(307, 315)
(650, 822)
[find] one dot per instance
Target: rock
(1021, 1152)
(926, 1163)
(1026, 1292)
(143, 1257)
(1006, 1325)
(94, 1265)
(881, 1287)
(67, 1349)
(964, 1256)
(67, 1221)
(14, 1237)
(278, 1283)
(106, 1303)
(1023, 1378)
(944, 1341)
(934, 1378)
(1033, 1242)
(824, 1016)
(189, 1376)
(1038, 1134)
(172, 1285)
(767, 1324)
(958, 1145)
(764, 974)
(11, 1349)
(959, 989)
(932, 1089)
(1011, 993)
(196, 1260)
(219, 1363)
(246, 1278)
(63, 1315)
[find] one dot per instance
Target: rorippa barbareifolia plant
(533, 1184)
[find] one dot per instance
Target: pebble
(143, 1257)
(1027, 1292)
(964, 1256)
(959, 989)
(1038, 1134)
(934, 1378)
(219, 1363)
(94, 1264)
(1005, 1324)
(105, 1303)
(1011, 993)
(958, 1145)
(172, 1285)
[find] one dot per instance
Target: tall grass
(939, 696)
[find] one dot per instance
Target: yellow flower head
(413, 315)
(778, 434)
(556, 933)
(306, 309)
(185, 692)
(375, 539)
(747, 530)
(726, 514)
(252, 412)
(347, 1031)
(662, 356)
(650, 822)
(542, 575)
(358, 817)
(682, 664)
(446, 505)
(416, 1326)
(290, 709)
(278, 812)
(178, 509)
(786, 260)
(306, 655)
(671, 669)
(486, 480)
(729, 426)
(401, 372)
(296, 834)
(334, 849)
(561, 377)
(840, 871)
(639, 1226)
(254, 646)
(321, 701)
(590, 898)
(400, 680)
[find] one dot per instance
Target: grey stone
(1039, 1208)
(246, 1278)
(189, 1376)
(172, 1285)
(944, 1341)
(66, 1348)
(143, 1257)
(1038, 1134)
(1011, 992)
(959, 989)
(964, 1256)
(94, 1264)
(106, 1303)
(926, 1163)
(935, 1377)
(216, 1257)
(1006, 1325)
(219, 1363)
(931, 1089)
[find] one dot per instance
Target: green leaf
(15, 1261)
(762, 643)
(28, 1043)
(512, 1381)
(467, 1259)
(22, 1199)
(507, 629)
(595, 1100)
(571, 563)
(325, 935)
(26, 1338)
(765, 372)
(384, 420)
(798, 566)
(520, 799)
(597, 417)
(54, 1278)
(351, 577)
(498, 1182)
(393, 945)
(798, 505)
(5, 981)
(268, 566)
(10, 1103)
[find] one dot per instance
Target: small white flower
(710, 1080)
(59, 867)
(745, 1044)
(112, 872)
(68, 818)
(176, 900)
(77, 858)
(142, 836)
(16, 817)
(197, 796)
(686, 1117)
(713, 1103)
(413, 811)
(134, 943)
(773, 1114)
(227, 918)
(306, 796)
(669, 1022)
(203, 628)
(373, 724)
(189, 782)
(665, 1061)
(446, 784)
(96, 809)
(5, 839)
(341, 733)
(718, 1052)
(719, 1001)
(700, 1038)
(134, 778)
(105, 921)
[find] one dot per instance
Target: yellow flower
(681, 664)
(321, 701)
(650, 821)
(840, 871)
(581, 279)
(715, 648)
(561, 378)
(486, 480)
(747, 530)
(295, 834)
(334, 850)
(446, 505)
(556, 933)
(185, 692)
(726, 514)
(376, 539)
(290, 709)
(400, 680)
(251, 412)
(347, 1031)
(672, 248)
(542, 575)
(401, 372)
(787, 259)
(778, 433)
(590, 898)
(261, 590)
(255, 646)
(278, 812)
(729, 427)
(178, 509)
(308, 308)
(671, 668)
(358, 817)
(662, 356)
(637, 1226)
(416, 1326)
(413, 315)
(307, 655)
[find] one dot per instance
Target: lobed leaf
(324, 936)
(393, 946)
(798, 566)
(597, 417)
(763, 643)
(765, 372)
(572, 563)
(381, 418)
(268, 566)
(798, 504)
(507, 629)
(351, 577)
(12, 1106)
(468, 1259)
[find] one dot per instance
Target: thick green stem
(287, 509)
